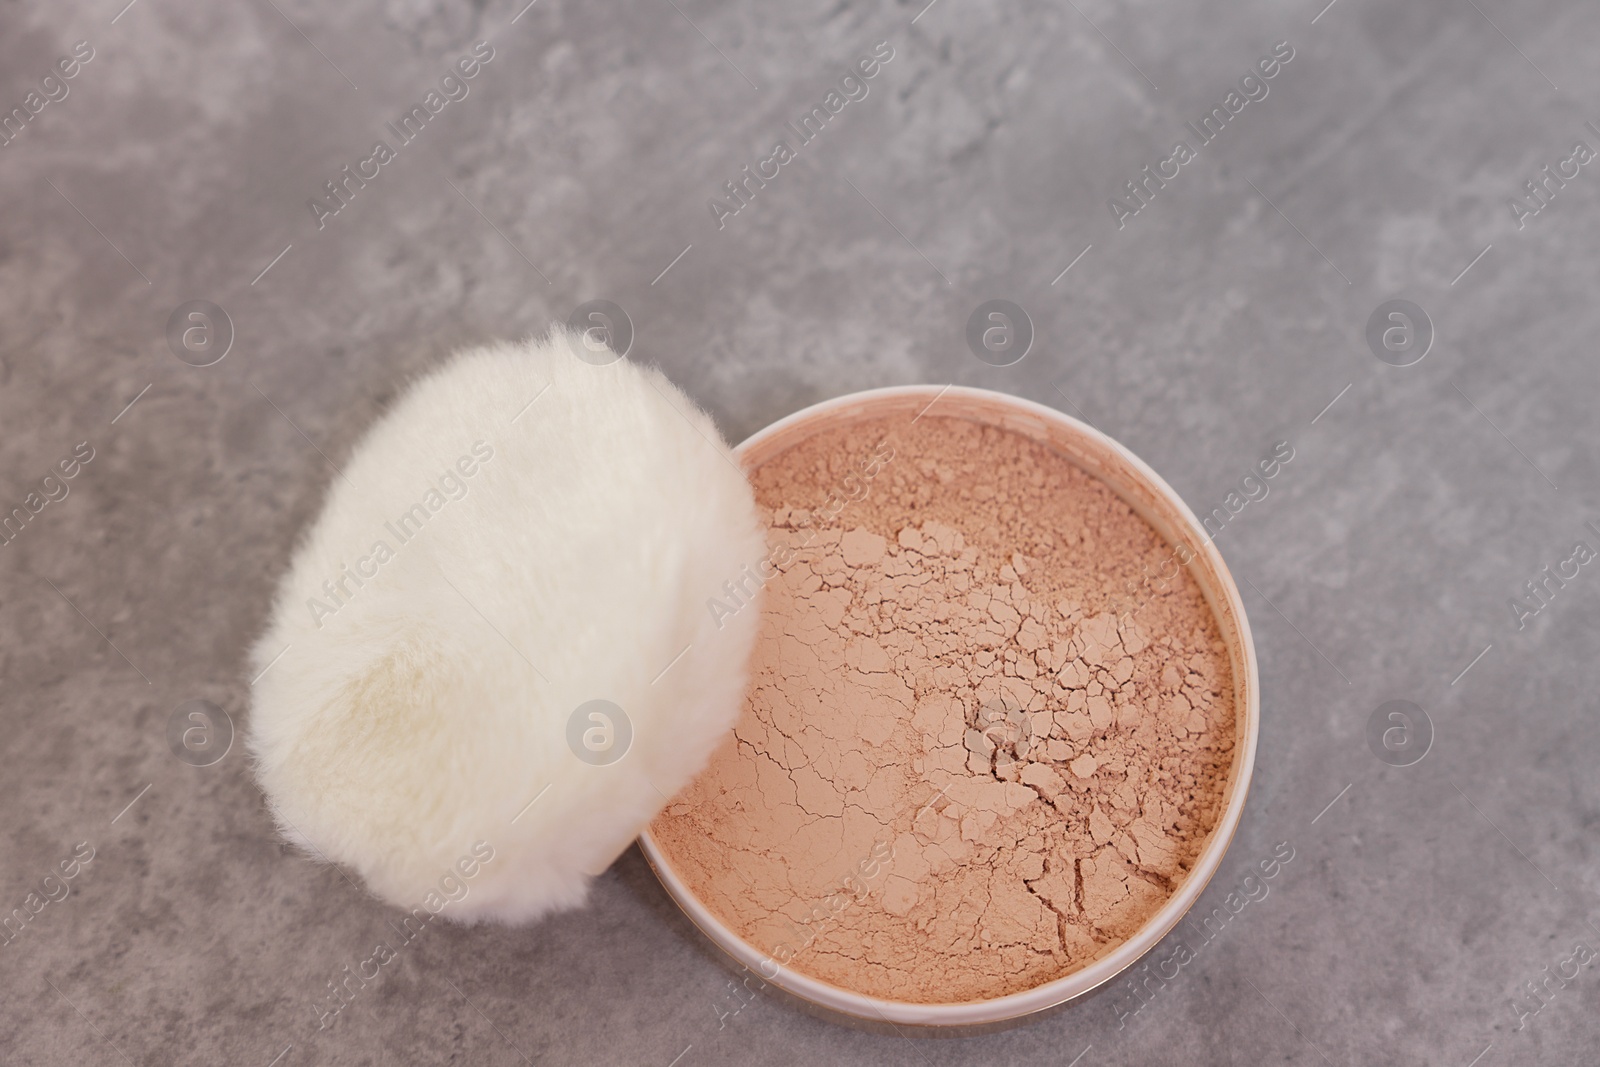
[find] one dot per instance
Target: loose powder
(965, 767)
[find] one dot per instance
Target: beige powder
(958, 773)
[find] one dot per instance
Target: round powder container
(1002, 721)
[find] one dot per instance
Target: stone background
(1227, 315)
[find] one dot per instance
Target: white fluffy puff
(523, 533)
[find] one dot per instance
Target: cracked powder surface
(959, 773)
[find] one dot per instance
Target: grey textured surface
(1209, 327)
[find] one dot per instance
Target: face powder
(969, 762)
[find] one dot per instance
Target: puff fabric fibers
(524, 533)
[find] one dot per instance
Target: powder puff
(525, 532)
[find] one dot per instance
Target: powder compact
(1000, 723)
